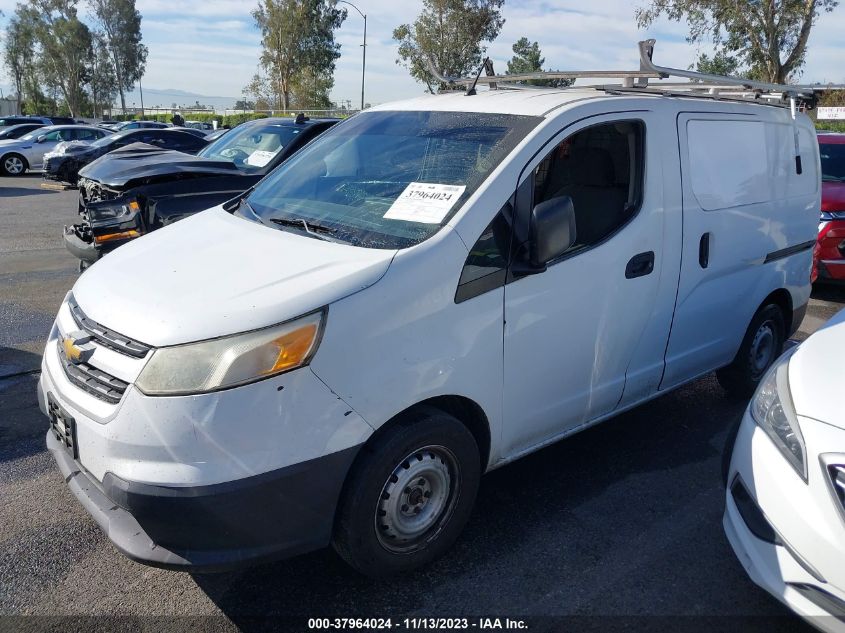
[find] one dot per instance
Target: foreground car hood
(215, 274)
(815, 374)
(128, 165)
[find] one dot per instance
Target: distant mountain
(165, 98)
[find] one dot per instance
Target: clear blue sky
(211, 47)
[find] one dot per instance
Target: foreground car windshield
(388, 179)
(251, 147)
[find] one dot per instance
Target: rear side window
(738, 163)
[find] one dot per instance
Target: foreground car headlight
(115, 211)
(233, 360)
(772, 410)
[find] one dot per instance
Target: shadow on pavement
(13, 192)
(22, 425)
(544, 532)
(829, 292)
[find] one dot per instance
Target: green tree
(102, 81)
(450, 33)
(527, 58)
(720, 64)
(260, 88)
(769, 37)
(64, 48)
(120, 23)
(18, 54)
(296, 35)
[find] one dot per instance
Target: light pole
(141, 89)
(364, 46)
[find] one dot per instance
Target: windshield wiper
(311, 228)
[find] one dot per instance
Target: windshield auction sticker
(425, 202)
(259, 158)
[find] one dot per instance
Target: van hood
(815, 374)
(130, 165)
(833, 196)
(214, 274)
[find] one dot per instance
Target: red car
(829, 260)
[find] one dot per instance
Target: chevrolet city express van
(428, 291)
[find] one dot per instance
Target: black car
(16, 131)
(136, 125)
(17, 119)
(130, 192)
(65, 167)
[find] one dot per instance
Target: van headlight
(232, 360)
(772, 410)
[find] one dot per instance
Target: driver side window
(601, 169)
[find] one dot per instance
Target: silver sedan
(27, 152)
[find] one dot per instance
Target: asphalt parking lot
(616, 528)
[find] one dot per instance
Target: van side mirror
(551, 230)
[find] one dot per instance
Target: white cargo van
(428, 291)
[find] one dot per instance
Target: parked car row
(17, 155)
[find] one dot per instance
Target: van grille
(95, 381)
(106, 337)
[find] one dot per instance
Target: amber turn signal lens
(108, 237)
(293, 348)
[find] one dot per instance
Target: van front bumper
(274, 515)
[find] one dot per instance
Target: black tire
(7, 171)
(426, 438)
(742, 376)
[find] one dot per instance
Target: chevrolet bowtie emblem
(76, 347)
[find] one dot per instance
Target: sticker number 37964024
(425, 202)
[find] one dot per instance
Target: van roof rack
(698, 84)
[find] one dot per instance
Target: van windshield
(387, 179)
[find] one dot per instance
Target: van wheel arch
(464, 409)
(783, 300)
(760, 347)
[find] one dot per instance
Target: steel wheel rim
(13, 165)
(762, 352)
(417, 499)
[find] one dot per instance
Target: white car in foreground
(785, 510)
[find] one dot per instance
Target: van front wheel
(408, 495)
(762, 344)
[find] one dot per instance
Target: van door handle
(640, 265)
(704, 251)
